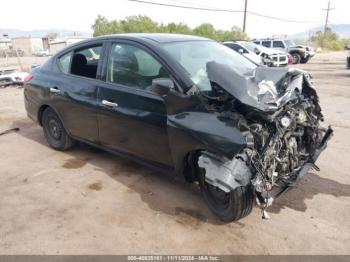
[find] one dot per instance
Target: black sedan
(187, 106)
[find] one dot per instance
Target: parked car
(300, 53)
(347, 47)
(41, 53)
(11, 77)
(251, 55)
(269, 56)
(348, 61)
(187, 106)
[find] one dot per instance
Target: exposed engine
(278, 150)
(283, 143)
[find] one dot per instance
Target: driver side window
(132, 66)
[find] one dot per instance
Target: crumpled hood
(270, 51)
(266, 88)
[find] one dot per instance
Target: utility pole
(16, 52)
(326, 23)
(245, 14)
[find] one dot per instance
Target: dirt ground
(86, 201)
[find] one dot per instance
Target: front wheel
(56, 135)
(231, 206)
(296, 58)
(304, 61)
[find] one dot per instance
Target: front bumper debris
(265, 200)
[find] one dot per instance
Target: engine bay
(282, 131)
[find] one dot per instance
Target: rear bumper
(31, 107)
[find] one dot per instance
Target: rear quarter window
(64, 62)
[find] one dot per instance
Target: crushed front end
(280, 119)
(283, 150)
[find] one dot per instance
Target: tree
(205, 30)
(329, 40)
(144, 24)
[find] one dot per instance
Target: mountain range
(343, 30)
(43, 32)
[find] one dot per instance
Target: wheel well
(40, 113)
(295, 52)
(190, 166)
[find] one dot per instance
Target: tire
(296, 58)
(304, 61)
(230, 206)
(55, 134)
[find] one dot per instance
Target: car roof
(270, 39)
(155, 37)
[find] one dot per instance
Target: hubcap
(296, 59)
(55, 130)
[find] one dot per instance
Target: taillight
(28, 78)
(290, 59)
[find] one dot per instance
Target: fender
(202, 131)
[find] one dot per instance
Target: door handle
(54, 90)
(109, 103)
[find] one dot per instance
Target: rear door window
(278, 44)
(65, 61)
(266, 43)
(85, 61)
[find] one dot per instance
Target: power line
(187, 7)
(282, 19)
(222, 10)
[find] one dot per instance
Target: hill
(343, 30)
(42, 32)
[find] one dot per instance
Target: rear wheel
(55, 134)
(230, 206)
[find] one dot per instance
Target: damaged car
(12, 77)
(187, 106)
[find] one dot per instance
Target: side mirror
(241, 51)
(162, 86)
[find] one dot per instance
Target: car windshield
(250, 46)
(193, 56)
(289, 43)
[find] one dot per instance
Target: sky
(80, 15)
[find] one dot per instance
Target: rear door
(74, 90)
(131, 118)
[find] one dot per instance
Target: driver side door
(131, 118)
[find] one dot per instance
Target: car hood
(255, 58)
(265, 88)
(271, 51)
(14, 75)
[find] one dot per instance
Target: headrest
(79, 59)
